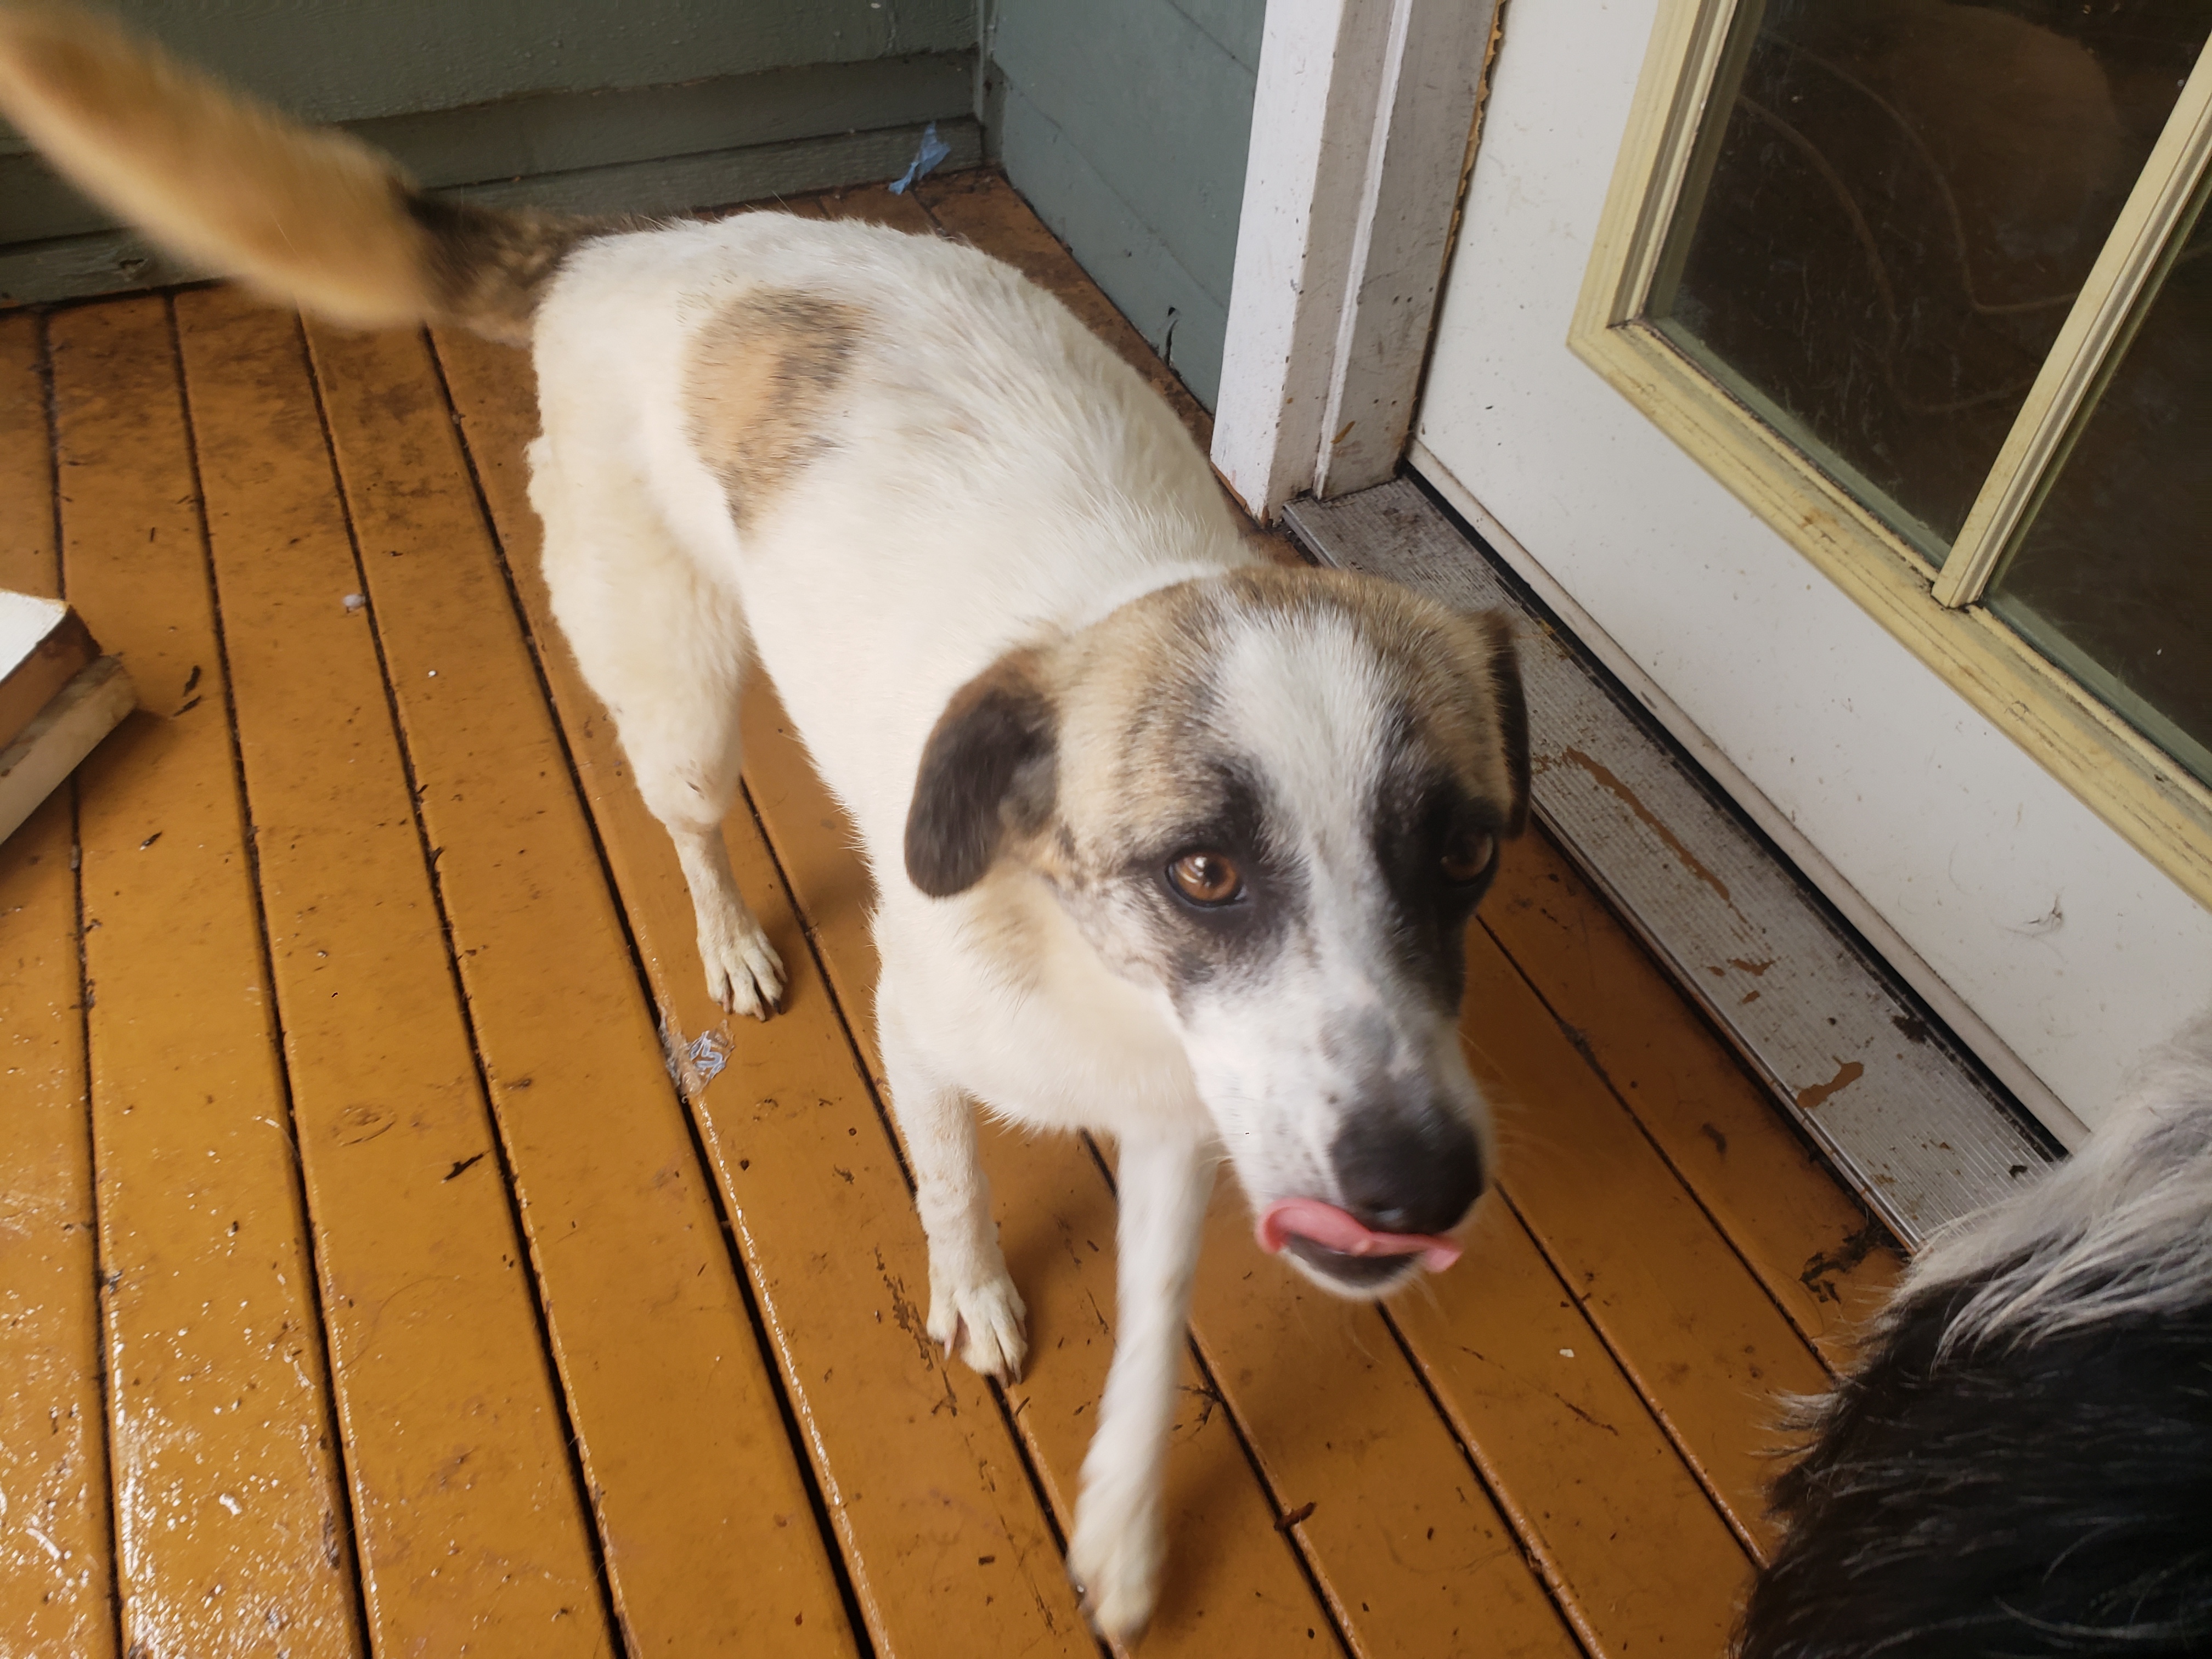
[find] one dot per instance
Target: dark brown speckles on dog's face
(1191, 939)
(1436, 847)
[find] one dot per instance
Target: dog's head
(1272, 797)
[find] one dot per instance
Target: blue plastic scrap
(934, 150)
(708, 1054)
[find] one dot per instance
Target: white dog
(1171, 843)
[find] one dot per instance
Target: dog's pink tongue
(1334, 1229)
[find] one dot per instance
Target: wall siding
(589, 104)
(351, 60)
(1126, 127)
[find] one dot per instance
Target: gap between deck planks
(1570, 1423)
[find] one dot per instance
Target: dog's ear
(1512, 712)
(988, 767)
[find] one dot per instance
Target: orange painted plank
(56, 1565)
(950, 1551)
(1643, 1561)
(57, 1572)
(1814, 1249)
(231, 1522)
(875, 204)
(28, 561)
(1680, 1310)
(470, 1528)
(1232, 1584)
(1402, 1534)
(708, 1534)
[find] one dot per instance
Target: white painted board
(68, 729)
(25, 619)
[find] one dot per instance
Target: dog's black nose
(1408, 1171)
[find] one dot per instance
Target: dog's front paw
(745, 975)
(983, 1324)
(1114, 1561)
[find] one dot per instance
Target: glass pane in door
(2112, 579)
(1891, 208)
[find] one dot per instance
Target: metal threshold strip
(1896, 1103)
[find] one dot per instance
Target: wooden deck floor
(366, 1285)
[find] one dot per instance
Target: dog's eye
(1206, 878)
(1466, 855)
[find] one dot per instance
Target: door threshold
(1851, 1054)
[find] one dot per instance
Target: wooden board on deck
(466, 1512)
(1822, 1258)
(56, 1565)
(231, 1519)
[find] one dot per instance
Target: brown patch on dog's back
(757, 393)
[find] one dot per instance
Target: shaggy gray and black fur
(2022, 1466)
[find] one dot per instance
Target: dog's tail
(315, 218)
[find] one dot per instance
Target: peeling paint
(1815, 1095)
(1612, 785)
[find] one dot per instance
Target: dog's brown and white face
(1273, 797)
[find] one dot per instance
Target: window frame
(2130, 782)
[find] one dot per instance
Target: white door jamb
(1362, 130)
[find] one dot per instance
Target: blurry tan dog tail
(313, 218)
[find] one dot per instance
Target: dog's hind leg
(1114, 1556)
(667, 651)
(974, 1311)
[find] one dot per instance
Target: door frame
(1363, 129)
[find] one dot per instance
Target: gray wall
(645, 104)
(1126, 124)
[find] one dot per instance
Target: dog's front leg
(974, 1309)
(1115, 1556)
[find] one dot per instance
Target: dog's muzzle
(1406, 1180)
